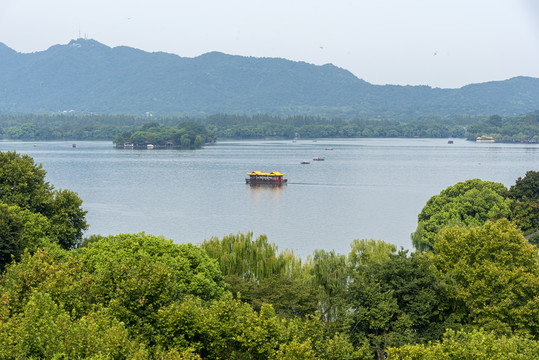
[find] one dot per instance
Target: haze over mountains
(86, 76)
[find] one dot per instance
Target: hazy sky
(440, 43)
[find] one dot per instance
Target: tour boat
(485, 139)
(259, 177)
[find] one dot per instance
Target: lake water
(365, 188)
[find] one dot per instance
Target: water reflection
(266, 187)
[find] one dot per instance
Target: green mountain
(86, 76)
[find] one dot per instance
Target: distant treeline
(111, 127)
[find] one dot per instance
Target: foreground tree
(128, 277)
(492, 274)
(20, 230)
(258, 273)
(140, 297)
(395, 302)
(477, 345)
(22, 184)
(468, 203)
(526, 187)
(525, 195)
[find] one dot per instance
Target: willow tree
(258, 273)
(251, 259)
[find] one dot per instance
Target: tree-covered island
(185, 135)
(470, 290)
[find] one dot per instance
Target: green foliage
(43, 329)
(526, 187)
(525, 194)
(32, 210)
(289, 296)
(20, 230)
(251, 259)
(131, 276)
(477, 344)
(522, 128)
(492, 274)
(230, 329)
(257, 273)
(135, 275)
(185, 135)
(395, 302)
(329, 274)
(67, 218)
(22, 183)
(468, 203)
(367, 251)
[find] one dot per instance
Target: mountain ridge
(89, 77)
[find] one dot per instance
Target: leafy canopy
(32, 210)
(468, 203)
(492, 274)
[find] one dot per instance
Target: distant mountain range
(86, 76)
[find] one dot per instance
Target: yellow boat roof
(260, 173)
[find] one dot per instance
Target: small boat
(329, 148)
(484, 139)
(450, 141)
(318, 159)
(74, 145)
(272, 178)
(305, 163)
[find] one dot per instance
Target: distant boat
(329, 148)
(450, 141)
(485, 139)
(74, 145)
(318, 159)
(305, 163)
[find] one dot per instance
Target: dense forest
(469, 290)
(122, 128)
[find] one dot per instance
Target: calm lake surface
(365, 188)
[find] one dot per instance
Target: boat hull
(264, 181)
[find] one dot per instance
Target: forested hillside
(86, 76)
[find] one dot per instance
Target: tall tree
(492, 274)
(525, 194)
(23, 187)
(468, 203)
(395, 302)
(22, 183)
